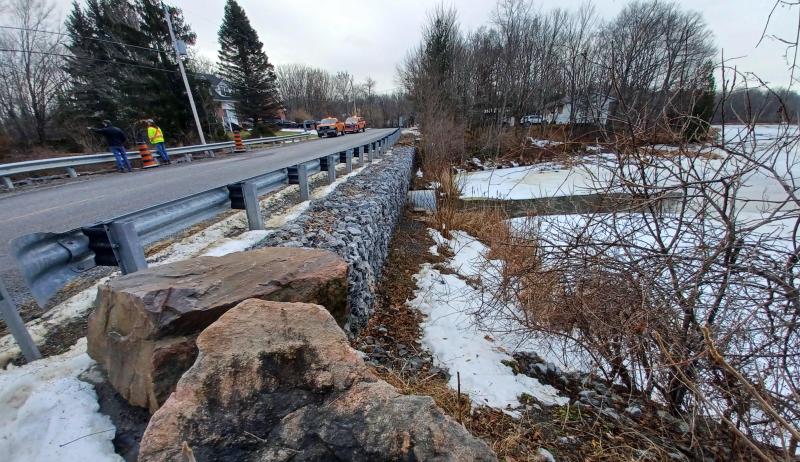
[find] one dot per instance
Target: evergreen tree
(92, 96)
(703, 108)
(243, 63)
(123, 67)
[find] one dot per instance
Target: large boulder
(279, 382)
(143, 329)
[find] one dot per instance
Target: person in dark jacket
(116, 143)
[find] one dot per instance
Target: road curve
(72, 204)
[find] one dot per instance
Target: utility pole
(178, 56)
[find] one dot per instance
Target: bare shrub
(692, 301)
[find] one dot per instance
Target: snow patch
(411, 131)
(77, 306)
(530, 182)
(244, 241)
(299, 130)
(48, 414)
(539, 143)
(462, 344)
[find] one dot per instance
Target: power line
(86, 58)
(155, 50)
(194, 74)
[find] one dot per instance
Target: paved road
(72, 204)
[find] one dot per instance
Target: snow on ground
(760, 189)
(47, 414)
(462, 344)
(539, 143)
(411, 131)
(535, 181)
(77, 306)
(299, 130)
(242, 242)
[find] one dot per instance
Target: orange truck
(355, 124)
(330, 126)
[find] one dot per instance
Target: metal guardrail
(48, 261)
(69, 163)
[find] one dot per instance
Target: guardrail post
(127, 248)
(71, 172)
(7, 181)
(16, 326)
(349, 161)
(367, 155)
(302, 182)
(251, 205)
(332, 167)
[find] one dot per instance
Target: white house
(594, 111)
(225, 103)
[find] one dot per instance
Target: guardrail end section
(48, 261)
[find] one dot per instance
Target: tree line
(313, 93)
(651, 67)
(115, 60)
(759, 105)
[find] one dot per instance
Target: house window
(223, 89)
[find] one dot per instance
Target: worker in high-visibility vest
(156, 137)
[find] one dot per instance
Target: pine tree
(703, 108)
(92, 96)
(124, 69)
(243, 63)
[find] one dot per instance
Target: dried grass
(512, 440)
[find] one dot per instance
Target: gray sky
(369, 38)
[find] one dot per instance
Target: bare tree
(30, 70)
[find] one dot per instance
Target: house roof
(216, 84)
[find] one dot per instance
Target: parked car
(309, 125)
(288, 124)
(330, 126)
(532, 119)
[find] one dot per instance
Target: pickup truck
(355, 124)
(330, 126)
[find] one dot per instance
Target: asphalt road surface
(69, 205)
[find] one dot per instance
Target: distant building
(224, 103)
(593, 110)
(500, 115)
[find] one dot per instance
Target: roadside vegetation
(683, 301)
(115, 60)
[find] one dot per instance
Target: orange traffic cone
(238, 146)
(147, 158)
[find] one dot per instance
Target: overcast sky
(370, 37)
